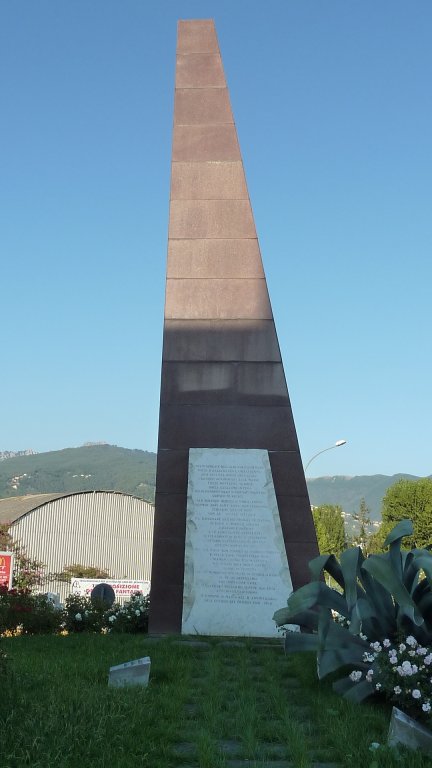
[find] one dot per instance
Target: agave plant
(382, 596)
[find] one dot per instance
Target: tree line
(406, 499)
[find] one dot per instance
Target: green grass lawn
(214, 707)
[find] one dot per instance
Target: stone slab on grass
(404, 730)
(135, 672)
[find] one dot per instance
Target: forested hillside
(107, 467)
(89, 468)
(349, 491)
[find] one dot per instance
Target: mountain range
(107, 467)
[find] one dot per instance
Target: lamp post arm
(336, 445)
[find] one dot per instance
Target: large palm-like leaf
(379, 597)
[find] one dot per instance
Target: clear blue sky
(332, 100)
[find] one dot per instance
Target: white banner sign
(122, 587)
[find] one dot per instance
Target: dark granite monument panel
(172, 471)
(220, 340)
(299, 554)
(296, 526)
(223, 384)
(171, 517)
(287, 472)
(220, 382)
(222, 426)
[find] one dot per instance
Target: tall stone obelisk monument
(231, 537)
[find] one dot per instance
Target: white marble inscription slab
(135, 672)
(236, 570)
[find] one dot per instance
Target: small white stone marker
(404, 730)
(131, 673)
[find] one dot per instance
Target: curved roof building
(105, 529)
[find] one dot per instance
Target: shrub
(131, 617)
(84, 615)
(27, 572)
(402, 672)
(78, 571)
(381, 597)
(32, 614)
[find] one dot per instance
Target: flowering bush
(22, 612)
(131, 617)
(32, 614)
(402, 672)
(84, 615)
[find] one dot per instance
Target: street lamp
(337, 444)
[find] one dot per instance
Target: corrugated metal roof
(16, 506)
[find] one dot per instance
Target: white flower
(411, 653)
(416, 694)
(375, 745)
(428, 659)
(402, 647)
(407, 668)
(369, 676)
(421, 651)
(414, 668)
(362, 637)
(355, 676)
(78, 617)
(368, 657)
(377, 647)
(386, 643)
(411, 641)
(393, 660)
(112, 618)
(397, 689)
(137, 613)
(378, 686)
(426, 707)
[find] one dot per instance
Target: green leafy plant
(83, 614)
(78, 571)
(31, 614)
(27, 571)
(385, 596)
(130, 617)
